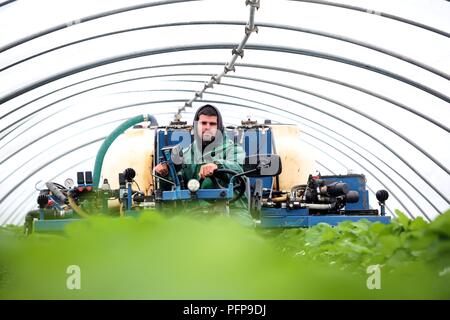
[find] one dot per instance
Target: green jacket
(227, 155)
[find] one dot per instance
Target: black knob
(42, 200)
(382, 195)
(352, 196)
(139, 197)
(129, 174)
(337, 188)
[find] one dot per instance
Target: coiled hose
(110, 139)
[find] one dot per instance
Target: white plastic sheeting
(367, 81)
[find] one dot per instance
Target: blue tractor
(271, 201)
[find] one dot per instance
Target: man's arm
(162, 170)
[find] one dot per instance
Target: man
(211, 150)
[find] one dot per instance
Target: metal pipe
(368, 92)
(143, 53)
(434, 206)
(7, 2)
(318, 206)
(366, 159)
(379, 13)
(262, 24)
(329, 100)
(344, 154)
(145, 5)
(56, 192)
(215, 79)
(88, 18)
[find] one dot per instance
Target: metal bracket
(250, 27)
(208, 85)
(238, 52)
(228, 69)
(249, 30)
(253, 3)
(216, 79)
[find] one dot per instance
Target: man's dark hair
(208, 110)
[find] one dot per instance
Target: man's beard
(207, 138)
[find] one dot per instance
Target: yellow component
(297, 159)
(279, 199)
(132, 149)
(77, 209)
(121, 210)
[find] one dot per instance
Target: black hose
(56, 191)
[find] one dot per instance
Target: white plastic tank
(132, 149)
(297, 159)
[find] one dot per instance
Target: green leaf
(441, 224)
(401, 220)
(418, 224)
(377, 228)
(388, 244)
(400, 257)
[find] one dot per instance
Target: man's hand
(207, 170)
(162, 169)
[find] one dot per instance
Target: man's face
(207, 127)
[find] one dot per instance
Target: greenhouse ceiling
(367, 82)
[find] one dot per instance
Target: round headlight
(193, 185)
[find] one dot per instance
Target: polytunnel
(367, 82)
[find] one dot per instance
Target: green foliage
(155, 257)
(356, 245)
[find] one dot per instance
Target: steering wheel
(239, 184)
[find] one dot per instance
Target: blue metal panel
(265, 147)
(258, 141)
(129, 196)
(291, 221)
(363, 199)
(284, 212)
(172, 137)
(283, 218)
(306, 221)
(200, 194)
(160, 144)
(52, 225)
